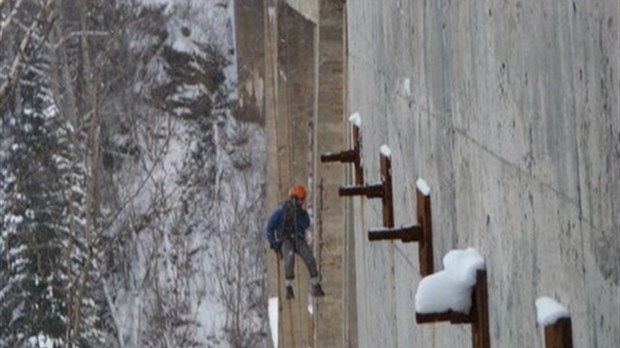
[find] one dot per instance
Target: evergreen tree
(45, 285)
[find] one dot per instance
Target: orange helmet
(299, 191)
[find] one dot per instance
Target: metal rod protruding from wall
(425, 251)
(386, 198)
(370, 191)
(421, 233)
(559, 334)
(345, 156)
(406, 234)
(382, 190)
(350, 156)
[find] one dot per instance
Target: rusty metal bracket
(350, 156)
(422, 233)
(478, 315)
(406, 233)
(559, 334)
(382, 190)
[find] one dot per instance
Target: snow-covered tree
(45, 287)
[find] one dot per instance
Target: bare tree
(239, 259)
(26, 36)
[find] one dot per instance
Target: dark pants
(290, 246)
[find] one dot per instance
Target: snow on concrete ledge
(450, 289)
(273, 320)
(423, 187)
(356, 119)
(385, 150)
(548, 311)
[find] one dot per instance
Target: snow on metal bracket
(555, 318)
(457, 294)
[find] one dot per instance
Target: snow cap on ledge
(423, 187)
(356, 119)
(450, 289)
(548, 311)
(385, 150)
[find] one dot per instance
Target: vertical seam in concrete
(579, 198)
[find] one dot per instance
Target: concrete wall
(508, 109)
(250, 46)
(302, 54)
(307, 8)
(294, 78)
(329, 223)
(513, 121)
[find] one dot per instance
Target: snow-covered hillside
(194, 270)
(174, 182)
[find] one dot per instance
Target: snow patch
(423, 187)
(450, 289)
(13, 219)
(356, 119)
(154, 2)
(43, 341)
(407, 87)
(548, 311)
(385, 150)
(273, 320)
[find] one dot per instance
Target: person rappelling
(286, 232)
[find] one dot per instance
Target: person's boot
(317, 291)
(289, 293)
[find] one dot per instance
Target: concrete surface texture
(294, 106)
(250, 48)
(329, 222)
(295, 84)
(509, 110)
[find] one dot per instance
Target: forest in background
(130, 195)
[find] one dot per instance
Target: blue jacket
(276, 222)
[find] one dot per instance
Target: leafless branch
(16, 64)
(78, 34)
(5, 24)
